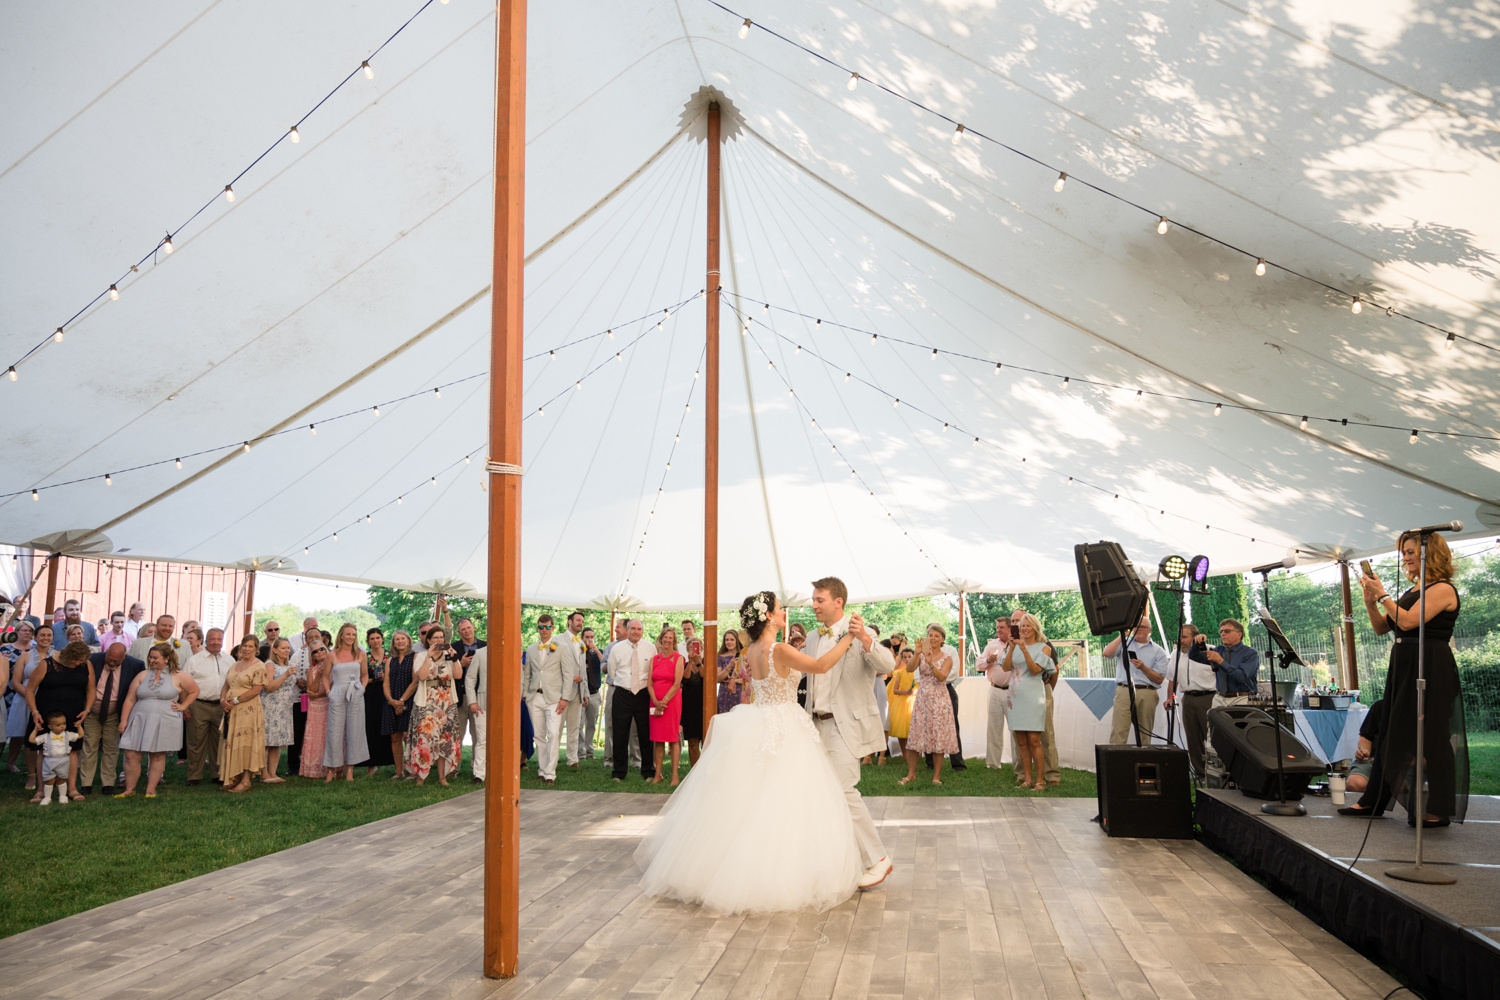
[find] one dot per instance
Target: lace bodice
(774, 690)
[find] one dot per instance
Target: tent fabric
(1356, 145)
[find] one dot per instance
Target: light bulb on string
(179, 463)
(695, 374)
(228, 192)
(335, 536)
(934, 354)
(998, 366)
(305, 550)
(958, 134)
(434, 480)
(1218, 408)
(610, 334)
(57, 335)
(398, 501)
(895, 404)
(1413, 438)
(541, 412)
(1447, 344)
(114, 293)
(617, 356)
(1062, 179)
(166, 244)
(853, 81)
(367, 518)
(369, 70)
(376, 408)
(1356, 307)
(872, 338)
(745, 28)
(553, 354)
(798, 350)
(247, 445)
(1260, 266)
(438, 391)
(466, 459)
(108, 480)
(846, 376)
(1391, 311)
(313, 429)
(1303, 424)
(1161, 225)
(35, 495)
(294, 134)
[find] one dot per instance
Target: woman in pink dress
(932, 728)
(666, 701)
(316, 733)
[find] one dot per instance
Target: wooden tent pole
(52, 562)
(502, 794)
(711, 428)
(1351, 665)
(249, 605)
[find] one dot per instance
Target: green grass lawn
(1484, 763)
(976, 779)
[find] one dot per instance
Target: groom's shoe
(876, 874)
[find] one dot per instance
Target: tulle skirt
(760, 824)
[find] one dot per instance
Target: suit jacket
(128, 672)
(547, 671)
(476, 678)
(850, 696)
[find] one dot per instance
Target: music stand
(1288, 656)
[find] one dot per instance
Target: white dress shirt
(630, 664)
(1190, 674)
(818, 644)
(209, 670)
(133, 629)
(998, 675)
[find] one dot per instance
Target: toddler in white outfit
(56, 744)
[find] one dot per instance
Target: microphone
(1286, 563)
(1445, 526)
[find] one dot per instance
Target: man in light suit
(549, 689)
(476, 684)
(570, 647)
(842, 704)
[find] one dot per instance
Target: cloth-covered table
(1330, 735)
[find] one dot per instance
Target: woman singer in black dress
(1445, 746)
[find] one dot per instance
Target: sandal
(125, 795)
(1040, 786)
(936, 782)
(904, 781)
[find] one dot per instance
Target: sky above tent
(937, 366)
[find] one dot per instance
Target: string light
(166, 244)
(1218, 408)
(313, 429)
(228, 192)
(1161, 225)
(57, 335)
(369, 70)
(35, 495)
(998, 366)
(1447, 344)
(934, 354)
(179, 463)
(305, 550)
(438, 391)
(958, 134)
(1356, 307)
(434, 480)
(247, 445)
(1303, 424)
(12, 373)
(294, 134)
(1062, 179)
(108, 480)
(466, 459)
(367, 519)
(398, 501)
(873, 338)
(335, 536)
(745, 28)
(846, 376)
(376, 408)
(1260, 266)
(1413, 438)
(853, 81)
(610, 334)
(541, 412)
(114, 294)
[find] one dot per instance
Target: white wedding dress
(760, 825)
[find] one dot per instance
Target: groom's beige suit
(842, 704)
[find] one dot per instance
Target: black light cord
(1099, 384)
(114, 287)
(665, 312)
(1390, 310)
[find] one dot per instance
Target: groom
(842, 704)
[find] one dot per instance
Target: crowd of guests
(329, 703)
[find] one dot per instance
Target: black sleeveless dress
(64, 690)
(1446, 748)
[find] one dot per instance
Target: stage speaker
(1245, 740)
(1144, 791)
(1113, 596)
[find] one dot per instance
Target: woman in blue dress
(1030, 666)
(345, 744)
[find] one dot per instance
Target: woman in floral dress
(433, 738)
(278, 699)
(730, 686)
(932, 729)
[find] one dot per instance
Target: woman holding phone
(434, 708)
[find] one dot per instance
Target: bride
(761, 824)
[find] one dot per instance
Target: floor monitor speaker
(1114, 598)
(1144, 791)
(1245, 740)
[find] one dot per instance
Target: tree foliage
(290, 618)
(1226, 598)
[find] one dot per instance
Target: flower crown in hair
(761, 611)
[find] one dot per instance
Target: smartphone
(695, 648)
(1365, 568)
(1132, 655)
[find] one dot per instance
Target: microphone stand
(1281, 807)
(1418, 803)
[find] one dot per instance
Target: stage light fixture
(1173, 568)
(1198, 568)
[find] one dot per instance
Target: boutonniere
(551, 647)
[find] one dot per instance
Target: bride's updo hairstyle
(755, 613)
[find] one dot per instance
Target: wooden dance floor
(1018, 898)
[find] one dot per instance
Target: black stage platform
(1444, 939)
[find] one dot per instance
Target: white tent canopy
(1354, 144)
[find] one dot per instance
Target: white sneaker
(876, 874)
(62, 795)
(48, 800)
